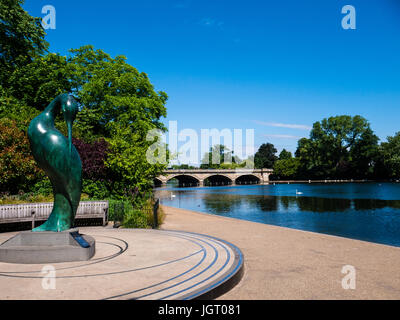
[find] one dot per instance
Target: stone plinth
(47, 247)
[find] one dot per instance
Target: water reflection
(343, 210)
(219, 203)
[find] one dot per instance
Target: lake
(364, 211)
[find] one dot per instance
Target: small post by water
(155, 213)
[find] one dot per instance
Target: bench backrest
(43, 210)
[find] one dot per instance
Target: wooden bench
(31, 212)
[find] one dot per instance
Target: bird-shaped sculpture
(60, 160)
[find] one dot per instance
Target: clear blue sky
(266, 65)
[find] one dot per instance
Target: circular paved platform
(132, 264)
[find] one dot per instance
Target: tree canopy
(336, 146)
(391, 155)
(265, 157)
(21, 38)
(118, 104)
(285, 155)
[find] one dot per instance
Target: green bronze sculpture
(58, 157)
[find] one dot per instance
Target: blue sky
(274, 66)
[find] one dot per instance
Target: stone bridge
(201, 177)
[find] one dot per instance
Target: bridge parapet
(199, 175)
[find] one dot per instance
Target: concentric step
(132, 264)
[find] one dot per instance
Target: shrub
(136, 219)
(43, 187)
(18, 171)
(95, 189)
(93, 156)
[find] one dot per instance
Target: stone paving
(130, 264)
(283, 263)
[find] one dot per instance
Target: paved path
(282, 263)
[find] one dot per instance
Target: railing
(155, 213)
(237, 170)
(31, 212)
(119, 210)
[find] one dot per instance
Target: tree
(39, 82)
(265, 157)
(364, 155)
(13, 109)
(284, 155)
(391, 155)
(218, 156)
(337, 145)
(21, 38)
(286, 168)
(118, 103)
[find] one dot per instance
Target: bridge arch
(218, 180)
(157, 182)
(247, 179)
(185, 180)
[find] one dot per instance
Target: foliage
(119, 107)
(134, 217)
(114, 95)
(21, 38)
(25, 198)
(286, 168)
(284, 155)
(182, 166)
(265, 157)
(93, 156)
(364, 156)
(43, 187)
(336, 146)
(217, 156)
(39, 82)
(117, 209)
(30, 197)
(391, 155)
(97, 190)
(12, 109)
(17, 166)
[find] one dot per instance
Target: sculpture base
(47, 247)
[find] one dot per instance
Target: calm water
(369, 211)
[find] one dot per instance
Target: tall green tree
(265, 157)
(36, 84)
(285, 155)
(286, 168)
(337, 145)
(391, 156)
(21, 38)
(365, 155)
(119, 104)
